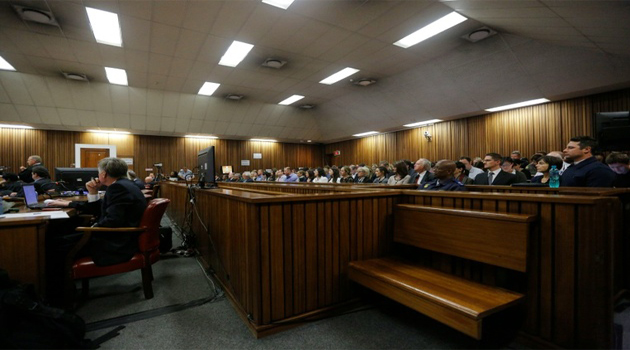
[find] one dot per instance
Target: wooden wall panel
(545, 127)
(57, 150)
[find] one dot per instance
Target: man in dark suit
(122, 206)
(25, 173)
(585, 171)
(494, 175)
(41, 180)
(422, 174)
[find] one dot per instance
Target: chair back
(150, 239)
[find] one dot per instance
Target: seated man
(122, 206)
(10, 185)
(134, 178)
(444, 178)
(41, 180)
(185, 174)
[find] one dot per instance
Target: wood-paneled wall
(57, 150)
(543, 127)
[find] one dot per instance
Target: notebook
(30, 197)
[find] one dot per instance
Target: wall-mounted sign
(337, 153)
(244, 162)
(257, 155)
(129, 161)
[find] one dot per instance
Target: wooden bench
(497, 239)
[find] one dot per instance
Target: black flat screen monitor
(205, 162)
(74, 179)
(612, 130)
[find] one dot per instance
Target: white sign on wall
(244, 162)
(257, 155)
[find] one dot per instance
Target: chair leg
(147, 274)
(85, 287)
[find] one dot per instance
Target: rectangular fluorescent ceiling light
(201, 137)
(235, 54)
(116, 76)
(15, 126)
(432, 121)
(105, 26)
(283, 4)
(424, 33)
(263, 140)
(366, 133)
(5, 65)
(517, 105)
(290, 100)
(208, 88)
(110, 132)
(342, 74)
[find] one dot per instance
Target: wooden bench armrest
(469, 213)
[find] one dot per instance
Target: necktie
(490, 175)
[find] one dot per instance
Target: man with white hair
(422, 167)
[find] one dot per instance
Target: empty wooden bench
(497, 239)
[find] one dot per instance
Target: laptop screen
(30, 195)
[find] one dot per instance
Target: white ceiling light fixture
(263, 140)
(36, 15)
(201, 137)
(283, 4)
(342, 74)
(519, 104)
(114, 132)
(235, 53)
(432, 29)
(366, 133)
(4, 65)
(290, 100)
(116, 76)
(426, 122)
(105, 27)
(15, 126)
(208, 88)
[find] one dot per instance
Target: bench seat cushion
(455, 301)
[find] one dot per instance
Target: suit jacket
(26, 174)
(502, 179)
(428, 177)
(362, 180)
(122, 206)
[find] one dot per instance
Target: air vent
(479, 34)
(234, 97)
(274, 63)
(363, 81)
(306, 106)
(35, 15)
(75, 76)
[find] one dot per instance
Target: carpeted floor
(215, 324)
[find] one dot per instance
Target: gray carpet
(215, 325)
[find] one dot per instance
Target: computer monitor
(205, 162)
(74, 179)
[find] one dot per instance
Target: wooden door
(91, 156)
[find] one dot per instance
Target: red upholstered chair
(148, 253)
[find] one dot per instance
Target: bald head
(444, 169)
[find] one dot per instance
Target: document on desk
(53, 215)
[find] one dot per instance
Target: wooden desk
(23, 248)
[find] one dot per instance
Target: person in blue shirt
(585, 171)
(444, 178)
(185, 174)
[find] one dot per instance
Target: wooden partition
(282, 257)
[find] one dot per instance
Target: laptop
(30, 197)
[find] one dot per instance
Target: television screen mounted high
(611, 130)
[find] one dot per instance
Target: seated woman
(301, 176)
(346, 175)
(334, 175)
(544, 165)
(320, 176)
(379, 175)
(400, 175)
(461, 174)
(310, 175)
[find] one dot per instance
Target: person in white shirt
(319, 176)
(472, 171)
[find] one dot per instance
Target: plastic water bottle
(554, 177)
